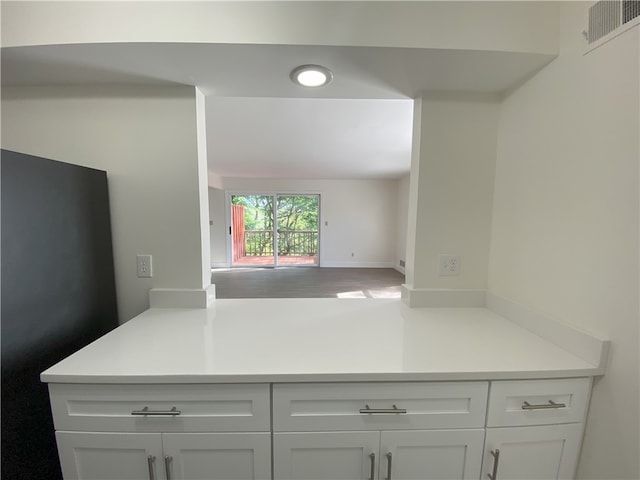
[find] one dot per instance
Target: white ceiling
(309, 137)
(259, 124)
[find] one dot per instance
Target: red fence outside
(295, 243)
(237, 220)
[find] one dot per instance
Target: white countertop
(306, 340)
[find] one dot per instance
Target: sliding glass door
(275, 230)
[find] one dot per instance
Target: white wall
(218, 229)
(495, 26)
(402, 219)
(203, 188)
(565, 220)
(145, 138)
(451, 188)
(361, 216)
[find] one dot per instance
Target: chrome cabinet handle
(496, 459)
(167, 466)
(544, 406)
(150, 460)
(146, 412)
(372, 457)
(388, 466)
(383, 410)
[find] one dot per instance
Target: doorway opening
(275, 230)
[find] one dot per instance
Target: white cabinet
(379, 406)
(196, 456)
(408, 455)
(155, 456)
(218, 456)
(527, 429)
(163, 432)
(186, 407)
(325, 455)
(431, 454)
(541, 453)
(380, 430)
(534, 428)
(538, 402)
(109, 456)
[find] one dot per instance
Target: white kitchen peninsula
(319, 388)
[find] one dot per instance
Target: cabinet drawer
(538, 402)
(372, 406)
(160, 408)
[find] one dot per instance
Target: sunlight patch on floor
(384, 293)
(354, 294)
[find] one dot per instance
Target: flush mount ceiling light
(311, 75)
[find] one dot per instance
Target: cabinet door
(110, 456)
(544, 453)
(431, 454)
(326, 456)
(217, 456)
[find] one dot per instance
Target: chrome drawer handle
(150, 460)
(496, 458)
(372, 458)
(383, 410)
(167, 466)
(544, 406)
(146, 412)
(388, 466)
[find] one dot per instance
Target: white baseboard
(587, 346)
(182, 298)
(327, 265)
(437, 298)
(398, 268)
(356, 264)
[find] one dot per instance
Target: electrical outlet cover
(448, 265)
(144, 266)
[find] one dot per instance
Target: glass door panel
(297, 229)
(252, 226)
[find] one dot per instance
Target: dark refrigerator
(58, 294)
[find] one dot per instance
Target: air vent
(630, 10)
(608, 15)
(604, 18)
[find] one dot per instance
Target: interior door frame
(231, 193)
